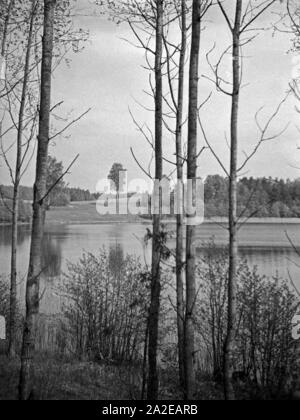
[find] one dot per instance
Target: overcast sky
(108, 77)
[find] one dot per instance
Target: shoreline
(258, 220)
(142, 221)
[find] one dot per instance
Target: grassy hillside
(85, 212)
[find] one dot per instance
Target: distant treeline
(26, 193)
(77, 194)
(257, 197)
(25, 211)
(61, 197)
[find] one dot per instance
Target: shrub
(4, 297)
(265, 351)
(105, 306)
(60, 199)
(5, 309)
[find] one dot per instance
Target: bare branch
(140, 166)
(69, 125)
(225, 15)
(264, 131)
(211, 148)
(59, 179)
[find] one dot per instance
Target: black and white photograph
(149, 203)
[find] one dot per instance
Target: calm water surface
(264, 245)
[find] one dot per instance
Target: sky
(108, 77)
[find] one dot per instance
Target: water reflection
(263, 245)
(51, 256)
(5, 235)
(116, 258)
(272, 261)
(52, 250)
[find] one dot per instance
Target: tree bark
(233, 244)
(191, 229)
(13, 292)
(180, 216)
(152, 392)
(144, 381)
(15, 204)
(35, 269)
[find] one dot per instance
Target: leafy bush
(5, 310)
(60, 199)
(105, 306)
(265, 353)
(4, 297)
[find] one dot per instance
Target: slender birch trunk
(191, 229)
(35, 269)
(12, 316)
(15, 203)
(233, 245)
(152, 393)
(180, 216)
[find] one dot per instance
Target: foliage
(62, 378)
(5, 308)
(105, 306)
(260, 197)
(58, 196)
(26, 193)
(61, 195)
(265, 351)
(4, 297)
(25, 211)
(257, 197)
(114, 176)
(77, 194)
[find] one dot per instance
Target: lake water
(264, 245)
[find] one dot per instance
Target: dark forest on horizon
(257, 197)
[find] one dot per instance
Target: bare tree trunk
(180, 217)
(35, 269)
(144, 381)
(15, 205)
(152, 393)
(233, 245)
(3, 53)
(191, 229)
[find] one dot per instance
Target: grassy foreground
(63, 379)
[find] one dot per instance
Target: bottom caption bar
(134, 409)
